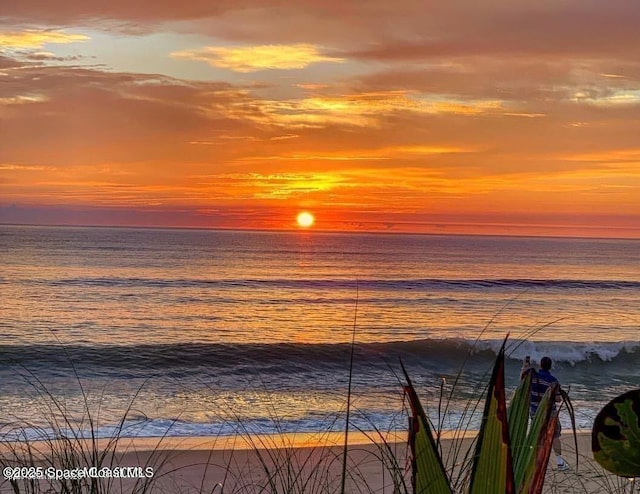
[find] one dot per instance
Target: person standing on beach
(540, 382)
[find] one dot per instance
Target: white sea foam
(571, 352)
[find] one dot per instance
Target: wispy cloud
(37, 39)
(373, 154)
(364, 109)
(261, 57)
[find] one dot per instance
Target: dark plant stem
(346, 425)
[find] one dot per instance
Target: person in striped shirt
(541, 380)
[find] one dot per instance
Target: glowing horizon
(393, 118)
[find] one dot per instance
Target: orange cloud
(358, 109)
(630, 155)
(373, 154)
(496, 113)
(255, 58)
(37, 39)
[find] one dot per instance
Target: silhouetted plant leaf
(518, 414)
(493, 467)
(539, 442)
(507, 458)
(428, 473)
(615, 437)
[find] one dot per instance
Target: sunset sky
(498, 116)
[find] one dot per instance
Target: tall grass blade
(572, 416)
(428, 473)
(493, 465)
(343, 477)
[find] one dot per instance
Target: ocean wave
(245, 428)
(365, 421)
(292, 357)
(368, 284)
(568, 352)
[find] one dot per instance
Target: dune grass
(70, 443)
(273, 464)
(65, 440)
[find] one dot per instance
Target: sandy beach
(304, 463)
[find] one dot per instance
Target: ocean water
(192, 332)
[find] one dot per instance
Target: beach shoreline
(199, 464)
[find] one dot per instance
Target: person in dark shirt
(540, 382)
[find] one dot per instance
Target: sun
(305, 219)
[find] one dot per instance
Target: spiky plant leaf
(518, 415)
(493, 468)
(428, 472)
(615, 437)
(539, 442)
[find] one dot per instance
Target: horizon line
(323, 231)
